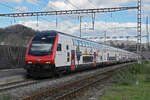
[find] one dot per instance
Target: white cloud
(33, 2)
(21, 9)
(73, 4)
(66, 26)
(16, 1)
(113, 28)
(146, 7)
(85, 4)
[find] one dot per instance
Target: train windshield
(42, 46)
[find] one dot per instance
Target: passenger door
(59, 60)
(72, 59)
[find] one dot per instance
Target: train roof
(53, 33)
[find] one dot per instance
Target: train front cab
(40, 56)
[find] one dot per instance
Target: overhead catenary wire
(10, 7)
(37, 24)
(93, 16)
(41, 4)
(75, 6)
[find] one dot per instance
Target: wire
(18, 10)
(92, 3)
(75, 6)
(9, 7)
(46, 19)
(55, 10)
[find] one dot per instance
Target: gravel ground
(21, 92)
(95, 92)
(12, 72)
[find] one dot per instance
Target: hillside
(17, 35)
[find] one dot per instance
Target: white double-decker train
(51, 52)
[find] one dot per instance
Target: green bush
(140, 69)
(5, 97)
(133, 73)
(125, 78)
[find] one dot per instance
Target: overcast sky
(115, 24)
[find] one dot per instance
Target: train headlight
(29, 62)
(48, 62)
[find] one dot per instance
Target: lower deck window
(68, 57)
(87, 59)
(101, 57)
(112, 58)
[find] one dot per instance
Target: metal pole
(37, 24)
(56, 24)
(147, 32)
(105, 37)
(127, 42)
(80, 25)
(93, 20)
(139, 33)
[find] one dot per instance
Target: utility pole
(80, 24)
(93, 20)
(147, 33)
(139, 40)
(37, 24)
(56, 23)
(127, 42)
(105, 37)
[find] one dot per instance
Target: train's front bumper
(39, 70)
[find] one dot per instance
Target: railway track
(71, 89)
(17, 84)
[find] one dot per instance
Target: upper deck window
(59, 47)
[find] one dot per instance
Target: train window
(67, 47)
(108, 56)
(90, 45)
(101, 57)
(80, 43)
(87, 44)
(87, 59)
(84, 43)
(68, 57)
(76, 42)
(68, 54)
(59, 47)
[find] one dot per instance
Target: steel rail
(14, 85)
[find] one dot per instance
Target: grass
(131, 92)
(5, 97)
(133, 84)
